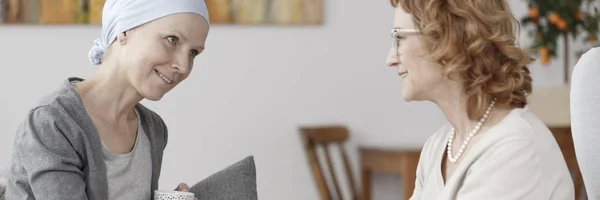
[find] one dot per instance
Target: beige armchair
(3, 183)
(585, 113)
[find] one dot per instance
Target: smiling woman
(166, 47)
(93, 135)
(463, 56)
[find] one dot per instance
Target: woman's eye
(193, 53)
(172, 39)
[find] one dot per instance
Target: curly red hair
(475, 40)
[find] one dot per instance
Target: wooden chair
(564, 138)
(401, 162)
(326, 136)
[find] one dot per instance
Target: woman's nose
(182, 64)
(392, 58)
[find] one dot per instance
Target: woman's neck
(454, 107)
(108, 94)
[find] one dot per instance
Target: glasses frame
(395, 41)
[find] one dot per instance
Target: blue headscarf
(119, 16)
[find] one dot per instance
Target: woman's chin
(154, 92)
(407, 94)
(407, 98)
(153, 98)
(153, 95)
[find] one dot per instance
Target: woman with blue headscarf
(92, 139)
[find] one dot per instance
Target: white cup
(172, 195)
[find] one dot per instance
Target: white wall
(250, 90)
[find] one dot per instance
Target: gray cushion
(237, 181)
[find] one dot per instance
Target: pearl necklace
(451, 157)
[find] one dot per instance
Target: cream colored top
(518, 158)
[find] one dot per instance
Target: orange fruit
(553, 18)
(534, 13)
(577, 15)
(561, 25)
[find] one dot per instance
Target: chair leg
(578, 186)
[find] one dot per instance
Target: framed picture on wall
(51, 11)
(284, 12)
(248, 12)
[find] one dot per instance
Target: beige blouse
(518, 158)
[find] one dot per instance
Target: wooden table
(398, 161)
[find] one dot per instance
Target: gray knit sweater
(57, 153)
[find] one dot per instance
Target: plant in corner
(554, 19)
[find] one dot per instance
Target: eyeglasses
(400, 34)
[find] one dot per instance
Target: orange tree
(553, 19)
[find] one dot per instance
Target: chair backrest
(325, 137)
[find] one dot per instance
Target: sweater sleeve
(52, 165)
(585, 112)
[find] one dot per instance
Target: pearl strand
(451, 157)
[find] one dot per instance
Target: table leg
(408, 186)
(409, 176)
(366, 184)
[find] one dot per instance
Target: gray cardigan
(57, 152)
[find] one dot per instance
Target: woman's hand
(184, 188)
